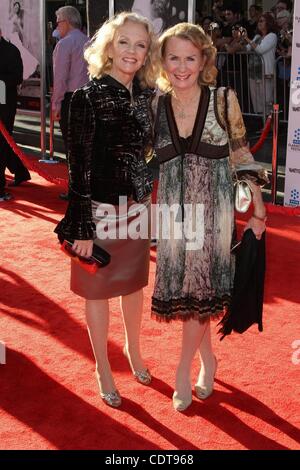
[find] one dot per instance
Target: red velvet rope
(64, 182)
(31, 165)
(263, 135)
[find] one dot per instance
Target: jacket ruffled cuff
(78, 222)
(253, 172)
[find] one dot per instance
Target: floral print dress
(194, 276)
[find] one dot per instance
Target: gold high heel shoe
(181, 404)
(111, 398)
(204, 391)
(141, 376)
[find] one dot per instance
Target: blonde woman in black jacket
(110, 133)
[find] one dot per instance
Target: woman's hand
(257, 222)
(56, 115)
(83, 247)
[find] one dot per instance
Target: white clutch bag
(242, 196)
(242, 190)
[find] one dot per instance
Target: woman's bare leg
(192, 334)
(207, 359)
(97, 317)
(132, 309)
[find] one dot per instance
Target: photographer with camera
(283, 19)
(285, 36)
(206, 23)
(233, 21)
(238, 33)
(214, 30)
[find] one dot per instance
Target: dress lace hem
(188, 308)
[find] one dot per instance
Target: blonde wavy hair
(197, 36)
(96, 53)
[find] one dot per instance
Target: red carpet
(48, 394)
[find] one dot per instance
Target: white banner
(292, 171)
(20, 24)
(161, 13)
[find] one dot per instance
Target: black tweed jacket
(109, 138)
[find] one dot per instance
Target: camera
(213, 26)
(240, 29)
(285, 38)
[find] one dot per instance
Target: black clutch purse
(99, 259)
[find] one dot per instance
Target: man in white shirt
(69, 67)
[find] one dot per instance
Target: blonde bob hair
(96, 53)
(196, 35)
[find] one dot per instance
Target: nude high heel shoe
(141, 376)
(181, 404)
(204, 391)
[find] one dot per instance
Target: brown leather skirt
(128, 269)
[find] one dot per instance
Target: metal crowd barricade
(234, 70)
(282, 78)
(51, 132)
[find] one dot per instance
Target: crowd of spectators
(266, 34)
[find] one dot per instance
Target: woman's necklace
(181, 113)
(180, 110)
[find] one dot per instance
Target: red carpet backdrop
(48, 393)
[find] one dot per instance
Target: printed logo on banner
(296, 140)
(295, 95)
(292, 180)
(296, 82)
(295, 197)
(295, 145)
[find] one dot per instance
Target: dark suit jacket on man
(11, 73)
(11, 70)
